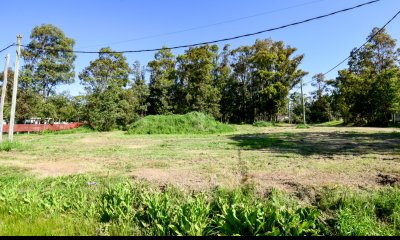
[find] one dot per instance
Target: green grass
(264, 124)
(204, 184)
(81, 129)
(369, 213)
(7, 146)
(191, 123)
(118, 206)
(330, 124)
(302, 126)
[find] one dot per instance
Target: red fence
(41, 127)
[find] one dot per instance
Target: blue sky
(132, 25)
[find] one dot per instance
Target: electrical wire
(358, 49)
(369, 40)
(11, 45)
(209, 25)
(220, 40)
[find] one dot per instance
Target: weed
(53, 206)
(7, 146)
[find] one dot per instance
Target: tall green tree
(162, 75)
(226, 85)
(109, 69)
(29, 102)
(105, 80)
(366, 92)
(195, 89)
(60, 107)
(276, 71)
(320, 110)
(240, 84)
(48, 60)
(140, 90)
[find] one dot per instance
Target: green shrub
(191, 123)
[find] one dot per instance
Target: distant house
(34, 120)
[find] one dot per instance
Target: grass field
(282, 157)
(303, 163)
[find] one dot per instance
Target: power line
(220, 40)
(2, 50)
(358, 49)
(369, 40)
(209, 25)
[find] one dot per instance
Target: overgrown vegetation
(375, 213)
(114, 206)
(7, 146)
(191, 123)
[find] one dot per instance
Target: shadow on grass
(322, 143)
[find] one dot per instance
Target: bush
(191, 123)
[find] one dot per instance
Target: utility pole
(302, 102)
(290, 121)
(15, 89)
(3, 95)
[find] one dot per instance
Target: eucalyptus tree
(368, 92)
(320, 108)
(162, 76)
(140, 90)
(195, 89)
(49, 60)
(275, 72)
(105, 81)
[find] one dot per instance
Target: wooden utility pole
(302, 102)
(290, 121)
(3, 95)
(15, 89)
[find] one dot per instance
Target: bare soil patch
(386, 179)
(181, 178)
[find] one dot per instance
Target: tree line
(240, 85)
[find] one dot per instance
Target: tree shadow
(322, 143)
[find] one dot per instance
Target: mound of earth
(191, 123)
